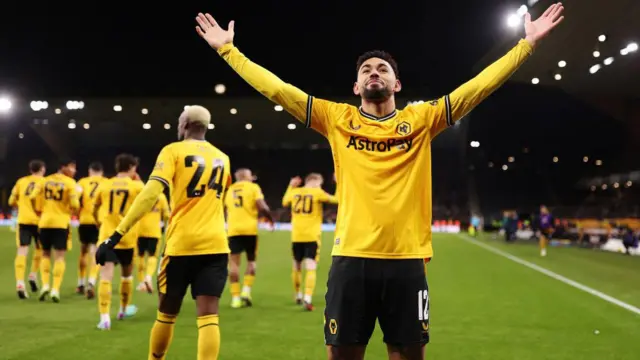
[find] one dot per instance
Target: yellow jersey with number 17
(198, 175)
(114, 198)
(89, 186)
(21, 198)
(242, 210)
(306, 212)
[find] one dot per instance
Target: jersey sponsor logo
(159, 166)
(363, 144)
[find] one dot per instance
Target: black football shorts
(363, 290)
(244, 243)
(206, 274)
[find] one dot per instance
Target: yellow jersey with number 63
(58, 194)
(198, 175)
(114, 198)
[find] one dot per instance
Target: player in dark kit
(382, 158)
(545, 229)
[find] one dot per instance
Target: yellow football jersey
(306, 212)
(198, 175)
(21, 198)
(58, 194)
(242, 210)
(114, 197)
(89, 186)
(383, 164)
(149, 225)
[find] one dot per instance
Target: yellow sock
(20, 265)
(126, 290)
(235, 289)
(208, 337)
(152, 265)
(45, 271)
(247, 284)
(82, 268)
(36, 260)
(58, 273)
(93, 273)
(161, 335)
(104, 296)
(141, 268)
(309, 283)
(296, 278)
(543, 242)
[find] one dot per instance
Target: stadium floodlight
(596, 54)
(513, 20)
(474, 144)
(511, 159)
(522, 10)
(71, 125)
(616, 185)
(557, 77)
(233, 111)
(535, 81)
(594, 69)
(86, 126)
(75, 105)
(602, 38)
(632, 47)
(58, 111)
(278, 108)
(598, 162)
(505, 167)
(117, 108)
(562, 63)
(629, 183)
(624, 51)
(608, 61)
(490, 164)
(211, 126)
(593, 188)
(604, 186)
(167, 126)
(21, 136)
(248, 126)
(146, 126)
(5, 104)
(145, 111)
(291, 126)
(555, 159)
(220, 89)
(39, 105)
(585, 159)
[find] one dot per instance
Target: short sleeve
(165, 167)
(258, 195)
(322, 114)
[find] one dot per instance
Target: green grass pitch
(483, 306)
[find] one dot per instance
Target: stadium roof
(575, 42)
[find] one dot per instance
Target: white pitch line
(554, 275)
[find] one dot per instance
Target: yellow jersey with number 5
(242, 208)
(198, 175)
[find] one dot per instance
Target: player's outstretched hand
(538, 29)
(295, 182)
(212, 33)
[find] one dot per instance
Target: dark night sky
(117, 50)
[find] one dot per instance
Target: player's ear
(356, 89)
(398, 86)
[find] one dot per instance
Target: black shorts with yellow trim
(147, 245)
(54, 238)
(27, 233)
(362, 290)
(244, 243)
(205, 274)
(304, 250)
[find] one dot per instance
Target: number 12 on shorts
(423, 305)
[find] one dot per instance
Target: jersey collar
(375, 118)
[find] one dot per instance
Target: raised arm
(310, 111)
(453, 107)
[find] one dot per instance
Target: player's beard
(377, 94)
